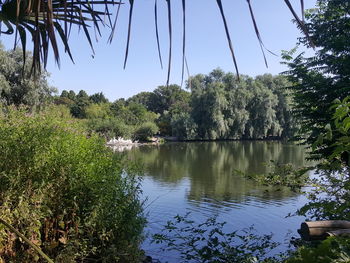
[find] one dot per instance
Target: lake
(198, 177)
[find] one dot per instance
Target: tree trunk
(319, 230)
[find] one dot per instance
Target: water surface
(198, 177)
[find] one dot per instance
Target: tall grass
(66, 193)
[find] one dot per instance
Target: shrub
(207, 242)
(65, 192)
(110, 128)
(331, 250)
(145, 131)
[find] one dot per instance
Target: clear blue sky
(206, 46)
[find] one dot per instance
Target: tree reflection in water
(209, 166)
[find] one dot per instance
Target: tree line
(215, 106)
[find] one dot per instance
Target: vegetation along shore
(66, 197)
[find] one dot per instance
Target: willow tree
(46, 21)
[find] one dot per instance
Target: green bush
(207, 242)
(331, 250)
(67, 193)
(110, 128)
(145, 131)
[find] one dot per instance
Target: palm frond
(257, 33)
(228, 36)
(157, 33)
(50, 21)
(129, 32)
(43, 21)
(299, 22)
(170, 40)
(183, 40)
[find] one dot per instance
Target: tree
(98, 98)
(262, 121)
(97, 111)
(164, 97)
(223, 107)
(72, 95)
(82, 101)
(64, 94)
(15, 87)
(208, 104)
(145, 131)
(321, 86)
(143, 98)
(320, 79)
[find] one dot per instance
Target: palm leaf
(170, 40)
(129, 32)
(228, 36)
(299, 22)
(257, 33)
(183, 39)
(157, 33)
(48, 21)
(43, 20)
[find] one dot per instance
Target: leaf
(183, 39)
(300, 23)
(129, 32)
(219, 3)
(170, 40)
(157, 33)
(115, 24)
(23, 37)
(64, 39)
(257, 33)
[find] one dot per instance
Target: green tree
(223, 107)
(325, 76)
(82, 101)
(262, 121)
(72, 95)
(164, 97)
(98, 98)
(64, 94)
(144, 98)
(145, 131)
(15, 87)
(208, 102)
(97, 111)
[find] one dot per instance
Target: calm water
(199, 178)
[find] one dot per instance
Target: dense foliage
(325, 76)
(208, 242)
(321, 84)
(67, 193)
(15, 86)
(226, 108)
(118, 119)
(330, 199)
(218, 106)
